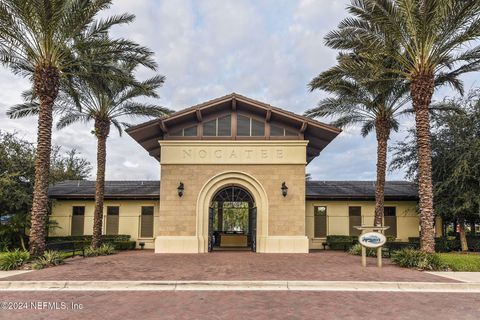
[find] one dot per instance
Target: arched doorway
(232, 220)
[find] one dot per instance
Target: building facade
(233, 176)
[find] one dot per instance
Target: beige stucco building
(233, 176)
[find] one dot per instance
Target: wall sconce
(180, 189)
(284, 189)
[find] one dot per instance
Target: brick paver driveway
(248, 305)
(145, 265)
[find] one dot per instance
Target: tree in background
(455, 161)
(105, 100)
(17, 175)
(50, 41)
(428, 39)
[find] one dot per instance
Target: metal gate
(211, 240)
(253, 228)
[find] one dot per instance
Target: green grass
(461, 261)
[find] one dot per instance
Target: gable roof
(317, 133)
(315, 190)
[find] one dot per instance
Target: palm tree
(42, 40)
(427, 39)
(103, 100)
(373, 105)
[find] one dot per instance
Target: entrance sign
(372, 239)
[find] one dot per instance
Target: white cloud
(268, 50)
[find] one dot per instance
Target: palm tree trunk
(46, 84)
(421, 91)
(382, 130)
(102, 129)
(463, 237)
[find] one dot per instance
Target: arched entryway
(232, 221)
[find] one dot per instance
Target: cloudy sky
(267, 50)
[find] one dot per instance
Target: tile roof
(113, 189)
(394, 190)
(315, 190)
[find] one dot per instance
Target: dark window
(249, 127)
(290, 133)
(390, 220)
(220, 127)
(320, 222)
(146, 222)
(78, 219)
(210, 128)
(190, 132)
(78, 211)
(113, 211)
(276, 131)
(224, 126)
(112, 220)
(185, 132)
(258, 128)
(355, 219)
(243, 126)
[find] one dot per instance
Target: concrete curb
(371, 286)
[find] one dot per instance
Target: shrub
(49, 259)
(103, 250)
(411, 258)
(13, 259)
(88, 238)
(356, 249)
(124, 245)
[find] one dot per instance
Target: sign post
(373, 238)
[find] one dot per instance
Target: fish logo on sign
(372, 239)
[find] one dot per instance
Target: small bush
(411, 258)
(13, 259)
(103, 250)
(356, 249)
(124, 245)
(49, 259)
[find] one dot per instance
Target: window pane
(177, 133)
(210, 128)
(389, 211)
(113, 210)
(320, 222)
(354, 211)
(148, 211)
(224, 126)
(78, 211)
(290, 133)
(276, 131)
(243, 125)
(190, 132)
(258, 128)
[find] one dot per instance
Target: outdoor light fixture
(180, 189)
(284, 189)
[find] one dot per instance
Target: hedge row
(341, 242)
(105, 238)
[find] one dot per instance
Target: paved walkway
(472, 277)
(6, 274)
(145, 265)
(212, 305)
